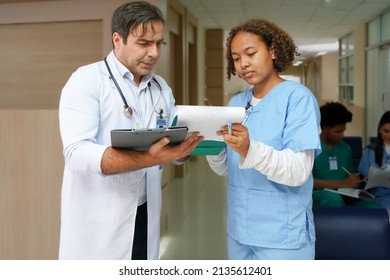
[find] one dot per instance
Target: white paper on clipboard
(208, 119)
(377, 178)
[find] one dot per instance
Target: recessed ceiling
(315, 25)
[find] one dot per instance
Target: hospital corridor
(194, 208)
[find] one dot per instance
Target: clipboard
(142, 139)
(208, 148)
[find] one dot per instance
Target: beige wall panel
(215, 95)
(293, 70)
(214, 39)
(214, 58)
(356, 127)
(174, 21)
(38, 58)
(328, 77)
(190, 33)
(31, 171)
(214, 77)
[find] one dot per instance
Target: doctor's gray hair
(130, 15)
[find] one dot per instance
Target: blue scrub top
(261, 212)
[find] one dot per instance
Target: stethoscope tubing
(128, 111)
(126, 106)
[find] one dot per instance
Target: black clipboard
(142, 139)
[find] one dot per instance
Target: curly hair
(334, 113)
(273, 37)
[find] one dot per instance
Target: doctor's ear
(117, 39)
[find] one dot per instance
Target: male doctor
(111, 199)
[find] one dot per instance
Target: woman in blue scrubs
(377, 155)
(269, 157)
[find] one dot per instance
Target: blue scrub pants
(382, 196)
(238, 251)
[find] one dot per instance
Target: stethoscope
(127, 110)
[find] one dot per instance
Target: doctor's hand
(163, 153)
(238, 140)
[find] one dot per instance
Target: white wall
(329, 77)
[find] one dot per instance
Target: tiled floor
(196, 211)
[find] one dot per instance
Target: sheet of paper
(377, 178)
(357, 193)
(208, 119)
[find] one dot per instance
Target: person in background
(111, 198)
(377, 154)
(333, 168)
(269, 157)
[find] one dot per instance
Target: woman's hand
(238, 140)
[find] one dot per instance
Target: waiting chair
(344, 233)
(356, 144)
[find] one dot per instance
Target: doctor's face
(141, 51)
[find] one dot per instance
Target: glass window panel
(343, 46)
(349, 93)
(343, 70)
(350, 44)
(350, 69)
(341, 93)
(386, 27)
(373, 32)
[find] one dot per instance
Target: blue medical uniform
(382, 194)
(261, 212)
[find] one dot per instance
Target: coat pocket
(95, 198)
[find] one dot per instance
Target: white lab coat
(98, 211)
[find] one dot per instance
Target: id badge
(333, 163)
(161, 121)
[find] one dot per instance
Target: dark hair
(334, 113)
(379, 140)
(130, 15)
(273, 37)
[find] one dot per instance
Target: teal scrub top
(330, 163)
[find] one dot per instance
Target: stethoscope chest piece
(127, 111)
